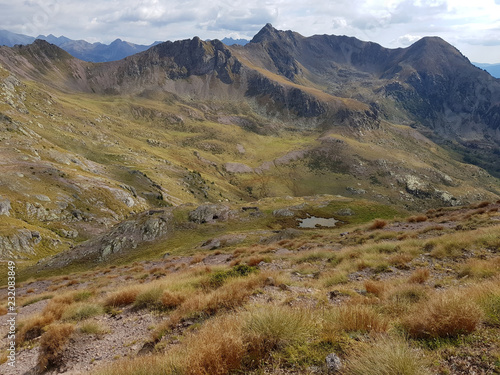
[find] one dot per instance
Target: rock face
(19, 244)
(208, 212)
(148, 226)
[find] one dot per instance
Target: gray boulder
(333, 363)
(5, 206)
(208, 212)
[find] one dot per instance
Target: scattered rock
(333, 363)
(285, 234)
(283, 212)
(237, 168)
(5, 206)
(209, 212)
(345, 212)
(355, 191)
(226, 240)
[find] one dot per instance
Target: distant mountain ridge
(493, 69)
(81, 49)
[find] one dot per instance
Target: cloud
(407, 39)
(391, 23)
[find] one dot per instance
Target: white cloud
(392, 23)
(407, 39)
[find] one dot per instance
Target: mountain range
(291, 205)
(88, 145)
(94, 52)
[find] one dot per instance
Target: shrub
(52, 344)
(386, 356)
(445, 315)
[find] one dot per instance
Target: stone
(283, 212)
(333, 363)
(208, 212)
(5, 206)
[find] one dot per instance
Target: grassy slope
(396, 285)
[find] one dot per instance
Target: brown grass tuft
(378, 224)
(360, 318)
(171, 300)
(419, 276)
(445, 315)
(377, 288)
(52, 344)
(218, 348)
(417, 219)
(122, 297)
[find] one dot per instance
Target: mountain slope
(86, 146)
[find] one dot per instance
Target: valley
(152, 201)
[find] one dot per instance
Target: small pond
(315, 222)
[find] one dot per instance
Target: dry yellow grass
(52, 343)
(444, 315)
(419, 276)
(359, 318)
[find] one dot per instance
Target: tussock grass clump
(218, 278)
(170, 300)
(358, 318)
(272, 328)
(217, 348)
(443, 315)
(36, 299)
(487, 295)
(378, 224)
(417, 219)
(386, 356)
(377, 288)
(82, 311)
(52, 344)
(419, 276)
(149, 298)
(480, 269)
(92, 328)
(32, 327)
(121, 298)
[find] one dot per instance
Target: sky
(473, 26)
